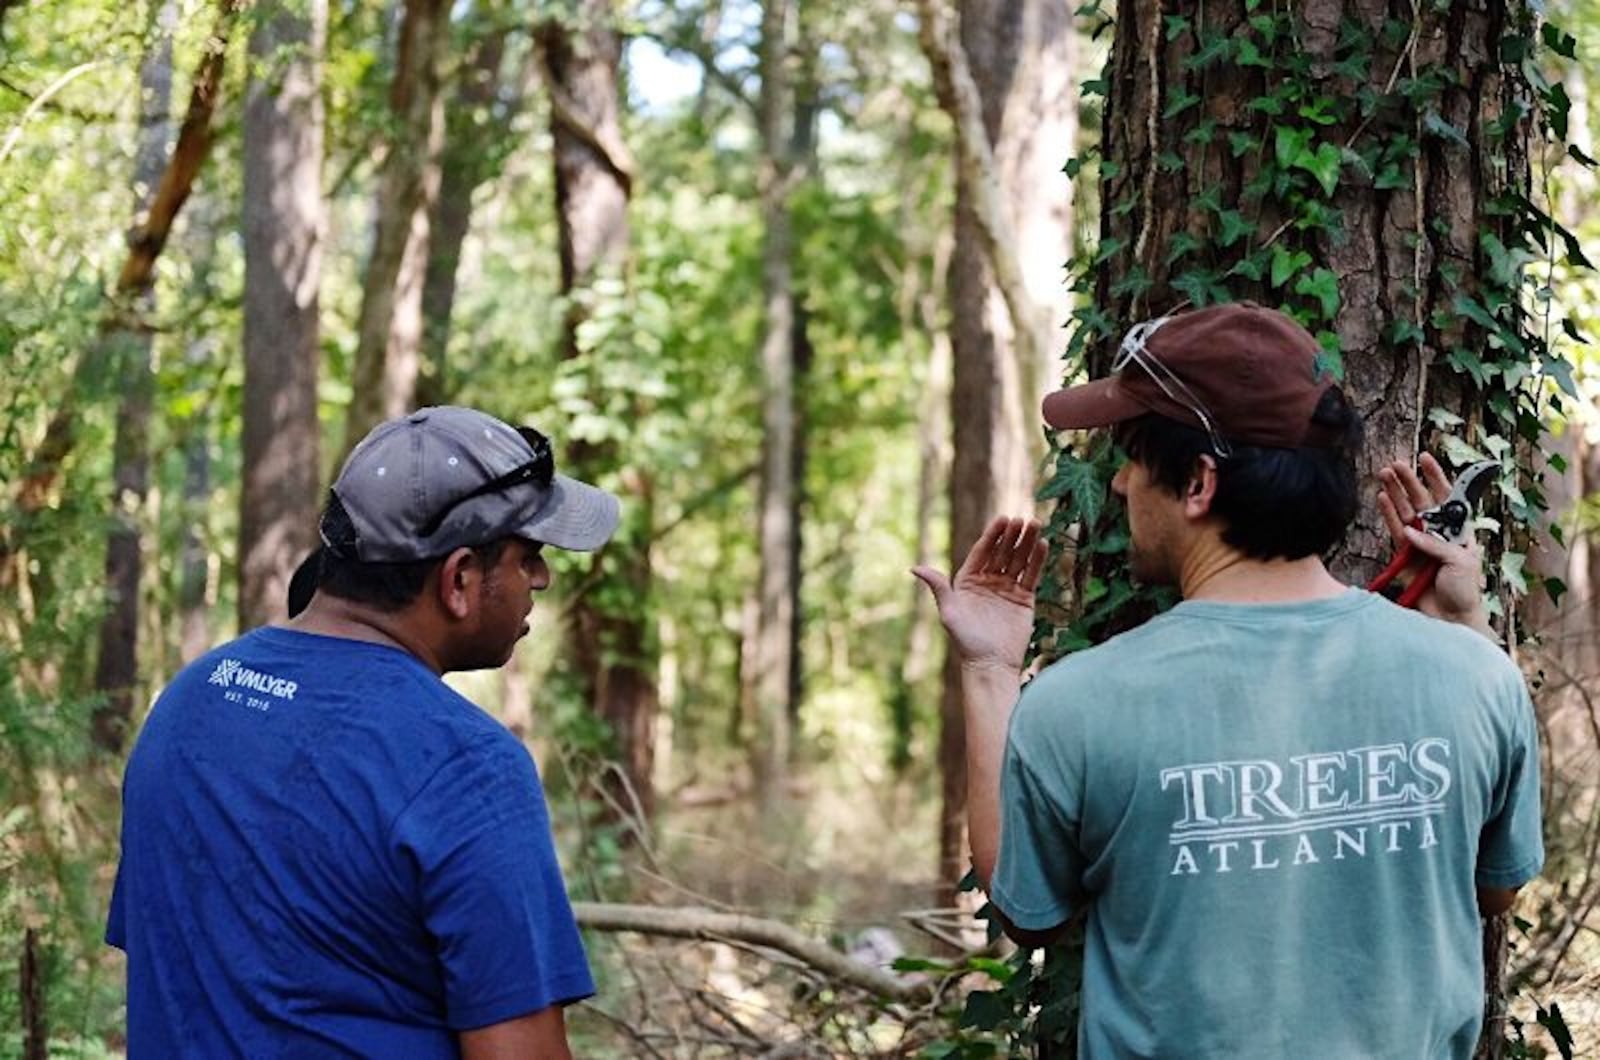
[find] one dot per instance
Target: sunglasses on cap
(540, 470)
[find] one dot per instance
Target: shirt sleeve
(490, 888)
(1511, 847)
(1037, 879)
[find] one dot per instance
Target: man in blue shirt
(325, 850)
(1283, 804)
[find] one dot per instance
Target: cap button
(420, 416)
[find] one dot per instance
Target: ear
(1202, 488)
(460, 578)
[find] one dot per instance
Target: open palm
(988, 607)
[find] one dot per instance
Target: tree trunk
(614, 644)
(117, 668)
(470, 157)
(137, 276)
(1019, 57)
(1377, 254)
(282, 220)
(389, 333)
(771, 660)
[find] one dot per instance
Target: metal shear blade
(1449, 521)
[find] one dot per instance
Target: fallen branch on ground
(704, 924)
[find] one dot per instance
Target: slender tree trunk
(389, 333)
(117, 668)
(614, 645)
(282, 212)
(1004, 307)
(771, 658)
(468, 160)
(145, 243)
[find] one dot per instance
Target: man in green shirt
(1283, 804)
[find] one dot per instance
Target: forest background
(790, 278)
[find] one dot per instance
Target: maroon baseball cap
(1251, 371)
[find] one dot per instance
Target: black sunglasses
(539, 470)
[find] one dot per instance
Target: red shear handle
(1420, 582)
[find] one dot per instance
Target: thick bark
(771, 655)
(389, 332)
(137, 275)
(1019, 57)
(1403, 252)
(614, 646)
(117, 665)
(282, 215)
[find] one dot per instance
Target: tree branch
(692, 923)
(975, 162)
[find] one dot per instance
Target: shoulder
(1071, 691)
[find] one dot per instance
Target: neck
(331, 616)
(1213, 571)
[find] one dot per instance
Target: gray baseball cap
(443, 478)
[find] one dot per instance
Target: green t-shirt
(1277, 816)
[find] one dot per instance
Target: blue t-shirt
(326, 851)
(1277, 817)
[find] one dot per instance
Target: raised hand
(1457, 591)
(988, 607)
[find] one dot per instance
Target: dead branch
(703, 924)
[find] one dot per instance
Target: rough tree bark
(389, 332)
(282, 221)
(129, 348)
(1004, 77)
(1408, 239)
(615, 647)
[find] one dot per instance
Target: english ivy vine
(1362, 114)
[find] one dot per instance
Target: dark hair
(1275, 503)
(385, 586)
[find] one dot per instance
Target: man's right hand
(1457, 591)
(988, 607)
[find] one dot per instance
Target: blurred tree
(282, 214)
(769, 671)
(389, 334)
(1004, 77)
(612, 637)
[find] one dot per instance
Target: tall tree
(477, 126)
(613, 636)
(389, 332)
(771, 655)
(282, 220)
(1366, 170)
(117, 667)
(1004, 77)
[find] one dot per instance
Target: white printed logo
(232, 675)
(1256, 815)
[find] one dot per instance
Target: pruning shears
(1447, 521)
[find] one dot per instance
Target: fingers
(1439, 549)
(935, 580)
(1433, 474)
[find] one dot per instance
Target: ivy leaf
(1578, 156)
(1433, 123)
(1322, 285)
(1286, 263)
(1559, 41)
(1324, 165)
(1239, 143)
(1234, 228)
(1289, 144)
(1511, 569)
(1560, 369)
(1080, 480)
(1443, 418)
(1177, 26)
(1180, 103)
(1459, 453)
(1555, 588)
